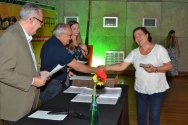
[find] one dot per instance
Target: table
(108, 114)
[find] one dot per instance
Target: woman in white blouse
(151, 62)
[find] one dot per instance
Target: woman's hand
(85, 51)
(150, 69)
(84, 47)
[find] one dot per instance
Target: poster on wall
(9, 14)
(45, 32)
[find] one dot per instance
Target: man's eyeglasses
(41, 22)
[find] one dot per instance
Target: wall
(171, 14)
(175, 16)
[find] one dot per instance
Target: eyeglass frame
(41, 22)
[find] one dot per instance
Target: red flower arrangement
(101, 74)
(99, 79)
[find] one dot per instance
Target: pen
(58, 112)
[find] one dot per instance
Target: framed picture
(110, 21)
(70, 18)
(149, 22)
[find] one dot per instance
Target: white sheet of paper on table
(75, 77)
(75, 89)
(87, 91)
(107, 100)
(82, 98)
(111, 92)
(43, 115)
(107, 95)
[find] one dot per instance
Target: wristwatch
(156, 69)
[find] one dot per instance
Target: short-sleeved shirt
(53, 52)
(149, 83)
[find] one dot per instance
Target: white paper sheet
(111, 92)
(107, 100)
(82, 98)
(43, 115)
(75, 89)
(107, 95)
(87, 91)
(81, 77)
(57, 68)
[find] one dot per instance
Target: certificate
(57, 68)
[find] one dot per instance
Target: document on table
(75, 77)
(57, 68)
(107, 100)
(75, 89)
(107, 95)
(82, 98)
(43, 115)
(87, 91)
(79, 90)
(100, 100)
(111, 92)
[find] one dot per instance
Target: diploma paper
(107, 100)
(82, 98)
(107, 95)
(43, 115)
(75, 89)
(57, 68)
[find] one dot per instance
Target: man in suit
(19, 74)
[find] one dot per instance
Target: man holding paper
(19, 74)
(53, 53)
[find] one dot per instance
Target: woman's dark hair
(145, 31)
(169, 35)
(168, 38)
(171, 32)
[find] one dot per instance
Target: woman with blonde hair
(76, 47)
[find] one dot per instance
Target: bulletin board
(9, 14)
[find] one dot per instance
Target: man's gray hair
(59, 29)
(29, 10)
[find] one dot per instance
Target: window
(149, 22)
(110, 21)
(70, 18)
(114, 57)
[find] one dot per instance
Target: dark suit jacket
(16, 74)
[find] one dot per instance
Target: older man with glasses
(54, 52)
(19, 73)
